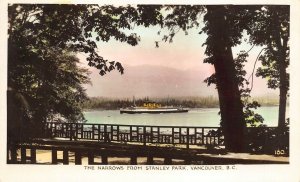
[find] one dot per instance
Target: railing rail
(66, 152)
(103, 134)
(181, 135)
(144, 134)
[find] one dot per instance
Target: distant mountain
(158, 81)
(151, 81)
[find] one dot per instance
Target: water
(195, 117)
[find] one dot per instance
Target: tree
(43, 77)
(224, 30)
(222, 36)
(44, 80)
(224, 26)
(71, 27)
(270, 27)
(42, 90)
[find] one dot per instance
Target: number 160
(279, 152)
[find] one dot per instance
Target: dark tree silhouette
(224, 30)
(42, 73)
(224, 26)
(269, 27)
(221, 37)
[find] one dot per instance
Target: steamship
(152, 108)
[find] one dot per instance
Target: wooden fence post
(23, 155)
(105, 134)
(144, 138)
(71, 131)
(188, 138)
(130, 133)
(150, 160)
(168, 161)
(158, 134)
(65, 156)
(104, 159)
(78, 158)
(76, 131)
(33, 155)
(133, 160)
(173, 135)
(13, 153)
(202, 136)
(90, 158)
(118, 130)
(54, 156)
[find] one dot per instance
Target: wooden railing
(81, 152)
(91, 152)
(110, 141)
(144, 134)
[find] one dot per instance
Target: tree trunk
(283, 80)
(231, 107)
(283, 96)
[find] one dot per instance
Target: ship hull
(153, 111)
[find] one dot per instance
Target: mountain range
(158, 81)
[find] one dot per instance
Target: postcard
(161, 91)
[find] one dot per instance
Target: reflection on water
(195, 117)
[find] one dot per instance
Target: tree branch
(251, 76)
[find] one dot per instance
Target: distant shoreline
(103, 103)
(195, 108)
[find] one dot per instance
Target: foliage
(179, 18)
(235, 29)
(50, 87)
(44, 79)
(37, 27)
(270, 28)
(265, 140)
(251, 118)
(224, 26)
(223, 31)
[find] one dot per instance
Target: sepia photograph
(149, 87)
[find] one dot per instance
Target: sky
(174, 69)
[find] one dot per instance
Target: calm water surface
(195, 117)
